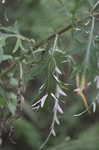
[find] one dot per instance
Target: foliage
(63, 68)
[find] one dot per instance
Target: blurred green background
(38, 19)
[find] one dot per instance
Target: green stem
(89, 44)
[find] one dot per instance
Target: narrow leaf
(43, 100)
(61, 92)
(59, 109)
(94, 106)
(54, 96)
(53, 132)
(56, 120)
(56, 78)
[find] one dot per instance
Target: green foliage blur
(49, 84)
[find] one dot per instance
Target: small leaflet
(77, 29)
(80, 114)
(56, 78)
(97, 81)
(53, 132)
(42, 86)
(61, 92)
(56, 120)
(54, 96)
(94, 106)
(40, 103)
(59, 109)
(36, 107)
(43, 100)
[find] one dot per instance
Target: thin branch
(90, 42)
(21, 71)
(65, 29)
